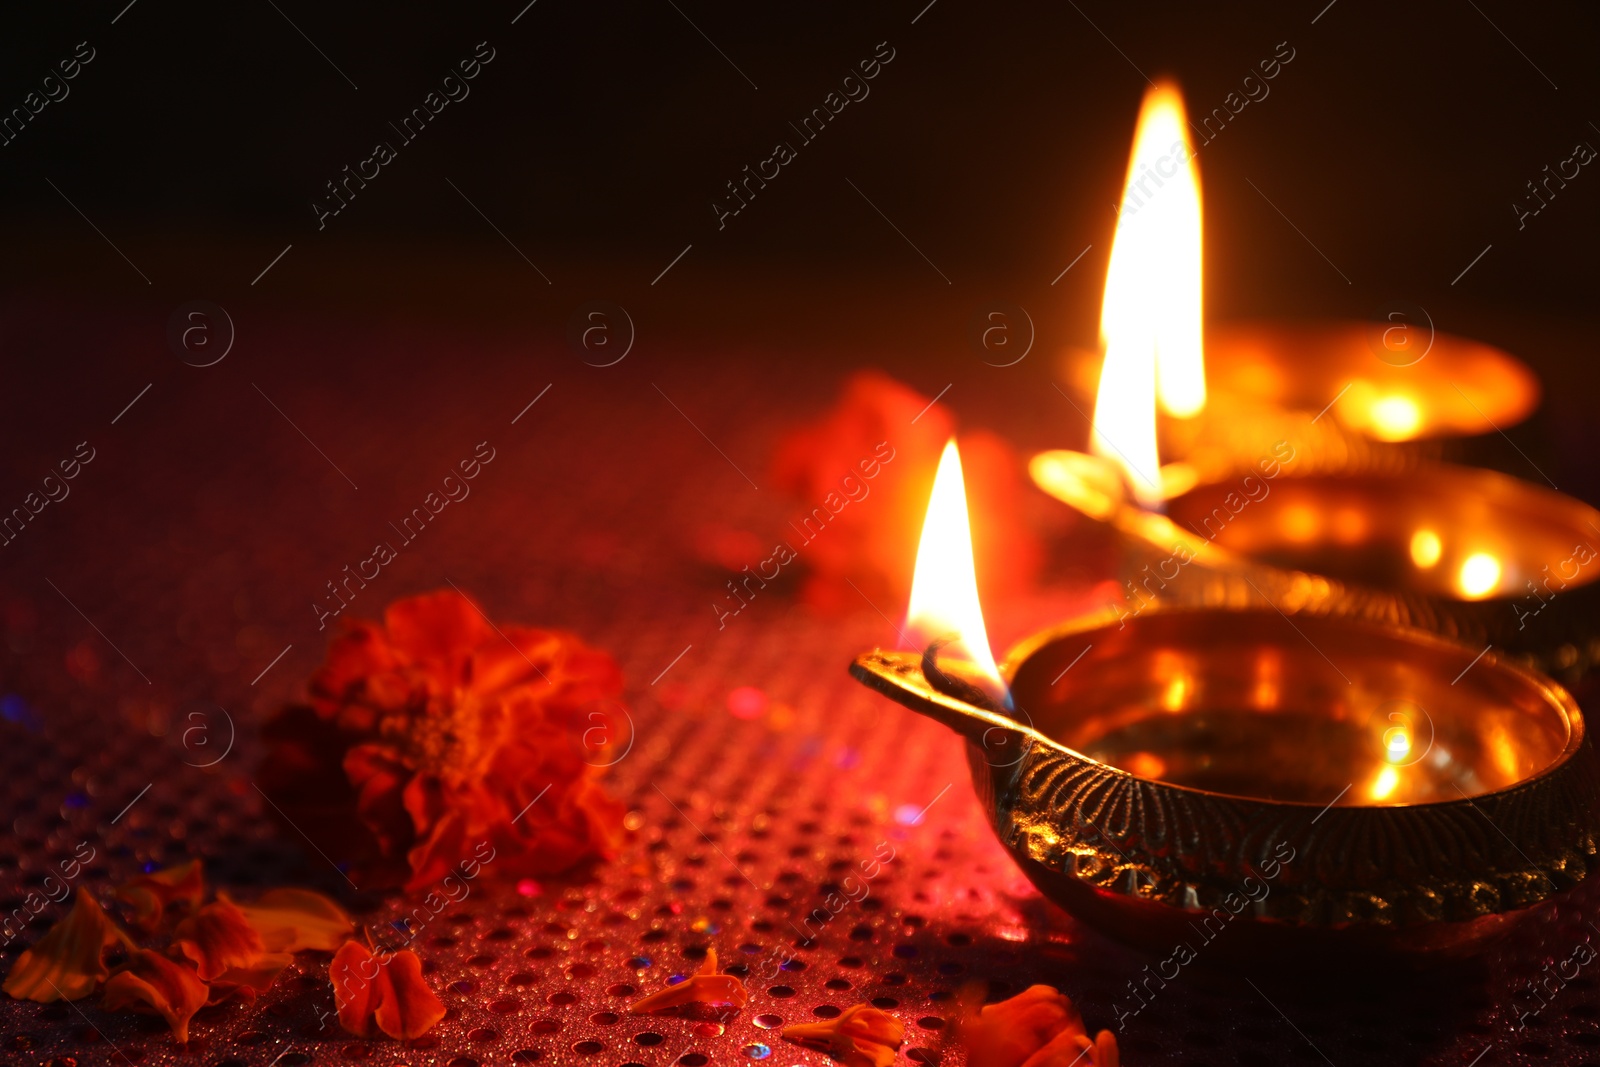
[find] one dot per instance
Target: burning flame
(944, 587)
(1150, 319)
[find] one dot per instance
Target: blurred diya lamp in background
(1473, 555)
(1387, 381)
(1316, 783)
(1341, 392)
(1345, 394)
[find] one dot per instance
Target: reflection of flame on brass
(1395, 418)
(1426, 548)
(1480, 575)
(1176, 695)
(1397, 743)
(1387, 416)
(1144, 764)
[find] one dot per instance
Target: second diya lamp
(1312, 780)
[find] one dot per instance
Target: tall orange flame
(1150, 318)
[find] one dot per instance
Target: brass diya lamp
(1303, 780)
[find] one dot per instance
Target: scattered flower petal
(68, 961)
(150, 981)
(245, 983)
(150, 895)
(297, 920)
(382, 991)
(216, 938)
(1038, 1027)
(705, 986)
(861, 1037)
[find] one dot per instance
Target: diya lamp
(1341, 392)
(1317, 783)
(1302, 506)
(1277, 752)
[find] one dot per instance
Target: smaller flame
(944, 587)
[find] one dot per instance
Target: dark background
(1391, 149)
(1396, 140)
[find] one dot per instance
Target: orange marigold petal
(216, 938)
(408, 1007)
(383, 991)
(297, 920)
(150, 895)
(705, 986)
(863, 1036)
(68, 961)
(602, 817)
(246, 983)
(354, 973)
(1038, 1027)
(379, 779)
(151, 982)
(526, 655)
(354, 656)
(1105, 1050)
(440, 628)
(441, 819)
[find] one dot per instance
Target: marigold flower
(149, 895)
(704, 986)
(150, 981)
(386, 992)
(450, 734)
(69, 960)
(215, 938)
(296, 920)
(862, 1036)
(1038, 1027)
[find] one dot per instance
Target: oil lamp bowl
(1311, 786)
(1381, 381)
(1394, 380)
